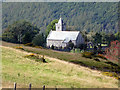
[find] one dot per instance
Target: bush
(20, 32)
(112, 75)
(39, 40)
(88, 54)
(52, 47)
(83, 46)
(101, 56)
(19, 47)
(43, 59)
(39, 47)
(70, 45)
(28, 44)
(112, 52)
(35, 57)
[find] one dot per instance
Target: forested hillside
(78, 16)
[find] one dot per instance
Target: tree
(25, 38)
(112, 52)
(39, 39)
(84, 34)
(104, 14)
(20, 32)
(97, 38)
(95, 50)
(117, 36)
(109, 37)
(83, 46)
(70, 45)
(103, 37)
(51, 26)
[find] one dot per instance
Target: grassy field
(54, 73)
(102, 65)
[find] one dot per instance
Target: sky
(60, 0)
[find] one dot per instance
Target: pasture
(54, 74)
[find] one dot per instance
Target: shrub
(83, 46)
(43, 59)
(101, 56)
(32, 55)
(39, 47)
(28, 44)
(112, 75)
(70, 45)
(96, 59)
(39, 40)
(35, 57)
(112, 52)
(19, 47)
(87, 54)
(52, 47)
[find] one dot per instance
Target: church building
(61, 37)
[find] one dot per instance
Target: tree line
(24, 32)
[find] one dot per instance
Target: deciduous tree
(113, 52)
(51, 26)
(20, 32)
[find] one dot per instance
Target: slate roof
(63, 35)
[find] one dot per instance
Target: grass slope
(103, 65)
(55, 73)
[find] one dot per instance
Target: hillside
(76, 58)
(78, 16)
(54, 73)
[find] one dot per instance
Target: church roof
(63, 35)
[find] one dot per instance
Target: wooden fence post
(15, 85)
(44, 87)
(30, 86)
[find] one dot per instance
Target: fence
(29, 88)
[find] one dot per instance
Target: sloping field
(102, 65)
(54, 73)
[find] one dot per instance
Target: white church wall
(57, 43)
(80, 40)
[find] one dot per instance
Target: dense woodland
(89, 16)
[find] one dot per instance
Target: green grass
(73, 57)
(76, 58)
(17, 68)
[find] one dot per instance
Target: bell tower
(60, 26)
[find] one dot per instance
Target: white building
(60, 26)
(61, 37)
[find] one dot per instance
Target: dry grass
(99, 64)
(55, 73)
